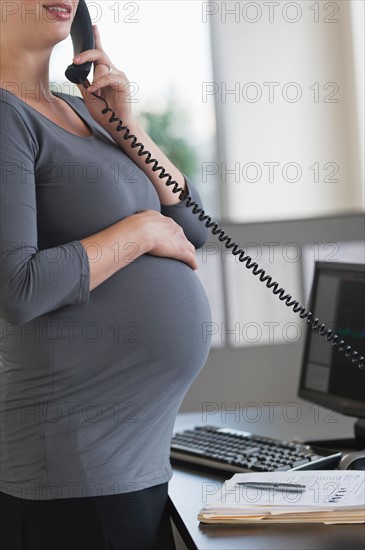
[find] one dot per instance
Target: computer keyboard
(237, 451)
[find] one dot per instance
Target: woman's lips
(59, 11)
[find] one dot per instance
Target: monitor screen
(328, 377)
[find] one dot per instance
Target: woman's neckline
(92, 135)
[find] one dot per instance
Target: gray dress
(91, 382)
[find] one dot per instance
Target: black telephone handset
(83, 39)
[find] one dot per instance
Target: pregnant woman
(101, 308)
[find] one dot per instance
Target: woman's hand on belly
(147, 231)
(165, 238)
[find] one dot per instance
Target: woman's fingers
(102, 62)
(187, 249)
(194, 263)
(107, 80)
(93, 55)
(97, 55)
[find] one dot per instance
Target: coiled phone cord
(311, 320)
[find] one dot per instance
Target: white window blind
(287, 89)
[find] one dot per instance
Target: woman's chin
(59, 34)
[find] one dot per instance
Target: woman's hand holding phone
(112, 86)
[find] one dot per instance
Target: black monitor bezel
(348, 407)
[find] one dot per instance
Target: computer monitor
(327, 376)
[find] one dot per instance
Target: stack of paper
(332, 496)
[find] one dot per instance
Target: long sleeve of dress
(32, 281)
(194, 229)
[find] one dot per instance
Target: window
(288, 85)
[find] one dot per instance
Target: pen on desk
(294, 487)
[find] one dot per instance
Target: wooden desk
(189, 486)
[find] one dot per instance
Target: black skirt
(138, 520)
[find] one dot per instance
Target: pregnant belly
(152, 312)
(164, 302)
